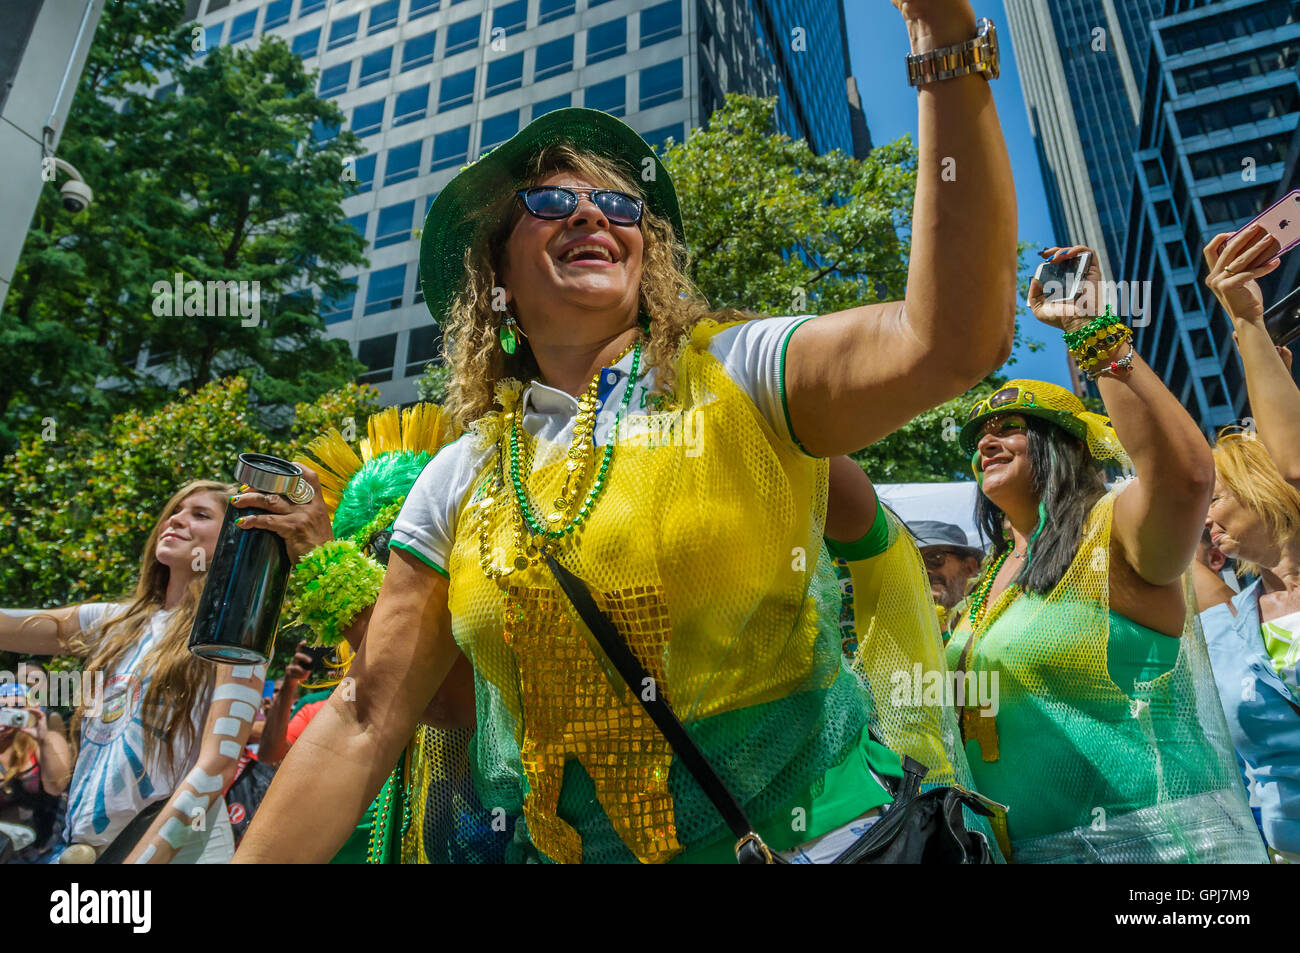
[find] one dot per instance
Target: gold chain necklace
(542, 541)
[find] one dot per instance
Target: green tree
(76, 507)
(777, 229)
(223, 182)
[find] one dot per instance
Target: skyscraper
(430, 84)
(1217, 145)
(1082, 68)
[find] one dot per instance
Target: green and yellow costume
(1104, 738)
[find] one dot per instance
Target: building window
(383, 16)
(421, 8)
(277, 13)
(339, 308)
(358, 222)
(421, 348)
(322, 131)
(242, 26)
(344, 31)
(661, 84)
(335, 79)
(164, 93)
(456, 90)
(386, 287)
(658, 138)
(365, 169)
(368, 118)
(376, 66)
(418, 51)
(606, 41)
(504, 75)
(419, 290)
(462, 35)
(212, 38)
(554, 9)
(310, 6)
(306, 44)
(403, 163)
(498, 129)
(661, 22)
(450, 148)
(377, 354)
(1177, 257)
(394, 226)
(610, 97)
(552, 104)
(510, 17)
(553, 59)
(411, 105)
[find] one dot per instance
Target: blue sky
(877, 45)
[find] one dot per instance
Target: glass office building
(430, 84)
(1217, 145)
(1082, 69)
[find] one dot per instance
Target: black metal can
(240, 607)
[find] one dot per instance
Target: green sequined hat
(453, 221)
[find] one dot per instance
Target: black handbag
(918, 827)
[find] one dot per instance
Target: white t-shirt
(113, 780)
(752, 354)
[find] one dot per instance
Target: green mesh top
(1067, 741)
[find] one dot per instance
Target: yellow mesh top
(704, 561)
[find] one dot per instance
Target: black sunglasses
(556, 201)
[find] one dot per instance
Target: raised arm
(1274, 398)
(337, 766)
(1159, 516)
(193, 805)
(39, 631)
(855, 376)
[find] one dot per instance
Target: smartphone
(319, 653)
(1282, 319)
(1281, 220)
(1063, 280)
(14, 717)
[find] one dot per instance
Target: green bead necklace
(554, 528)
(980, 597)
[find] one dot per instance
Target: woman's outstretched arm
(337, 766)
(39, 631)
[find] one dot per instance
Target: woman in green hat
(1088, 705)
(675, 460)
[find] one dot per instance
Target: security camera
(76, 195)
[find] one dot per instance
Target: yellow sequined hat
(1049, 402)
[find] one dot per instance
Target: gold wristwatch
(979, 55)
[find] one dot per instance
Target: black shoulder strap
(750, 848)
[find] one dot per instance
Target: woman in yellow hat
(677, 466)
(1090, 708)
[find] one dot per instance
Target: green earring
(508, 339)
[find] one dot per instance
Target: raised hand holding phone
(1237, 262)
(1072, 312)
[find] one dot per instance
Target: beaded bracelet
(331, 586)
(1074, 339)
(1125, 363)
(1097, 346)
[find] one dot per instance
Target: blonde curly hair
(472, 344)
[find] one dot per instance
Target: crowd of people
(560, 631)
